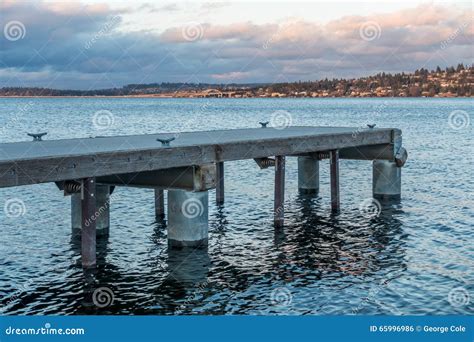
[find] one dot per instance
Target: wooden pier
(189, 164)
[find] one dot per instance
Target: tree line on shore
(451, 81)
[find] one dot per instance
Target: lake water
(417, 257)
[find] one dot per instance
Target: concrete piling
(188, 218)
(387, 180)
(308, 175)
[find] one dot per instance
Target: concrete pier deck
(32, 162)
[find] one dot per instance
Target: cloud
(238, 31)
(230, 76)
(84, 46)
(171, 7)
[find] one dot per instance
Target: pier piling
(334, 170)
(188, 218)
(88, 232)
(219, 183)
(102, 217)
(308, 175)
(279, 209)
(387, 180)
(159, 204)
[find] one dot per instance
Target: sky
(107, 44)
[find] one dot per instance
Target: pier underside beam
(88, 232)
(308, 175)
(368, 152)
(279, 209)
(188, 218)
(220, 183)
(363, 152)
(334, 171)
(387, 180)
(190, 178)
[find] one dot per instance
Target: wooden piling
(89, 215)
(159, 204)
(334, 168)
(219, 183)
(279, 210)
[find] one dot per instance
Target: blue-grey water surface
(417, 257)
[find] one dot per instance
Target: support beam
(387, 180)
(308, 175)
(88, 232)
(368, 152)
(188, 218)
(102, 217)
(190, 178)
(220, 183)
(334, 168)
(279, 209)
(159, 204)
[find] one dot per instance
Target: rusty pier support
(159, 204)
(334, 170)
(220, 183)
(88, 232)
(279, 209)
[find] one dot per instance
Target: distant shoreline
(238, 98)
(449, 83)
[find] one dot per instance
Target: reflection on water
(407, 260)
